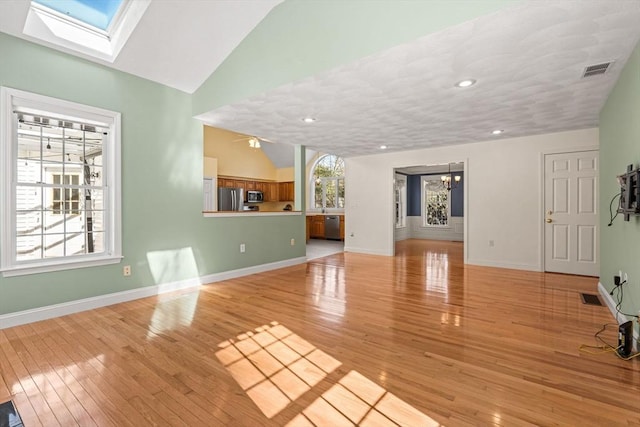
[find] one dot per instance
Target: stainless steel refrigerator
(230, 199)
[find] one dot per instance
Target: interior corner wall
(503, 186)
(165, 238)
(619, 147)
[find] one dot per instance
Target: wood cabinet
(286, 191)
(271, 192)
(225, 182)
(317, 226)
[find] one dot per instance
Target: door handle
(549, 220)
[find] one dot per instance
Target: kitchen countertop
(223, 214)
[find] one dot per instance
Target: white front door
(571, 213)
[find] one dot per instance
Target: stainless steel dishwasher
(332, 227)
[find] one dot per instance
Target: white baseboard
(620, 318)
(365, 251)
(62, 309)
(513, 266)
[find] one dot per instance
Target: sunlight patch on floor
(275, 367)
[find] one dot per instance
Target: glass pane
(318, 194)
(436, 204)
(94, 160)
(341, 193)
(54, 245)
(74, 223)
(28, 222)
(95, 220)
(330, 193)
(98, 242)
(98, 14)
(92, 175)
(28, 198)
(93, 199)
(28, 247)
(53, 219)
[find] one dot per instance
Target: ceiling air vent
(594, 70)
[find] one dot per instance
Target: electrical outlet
(293, 242)
(626, 278)
(126, 270)
(242, 248)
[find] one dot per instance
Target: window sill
(437, 227)
(35, 268)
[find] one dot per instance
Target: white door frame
(541, 213)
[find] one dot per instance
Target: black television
(629, 192)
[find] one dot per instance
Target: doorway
(571, 213)
(429, 202)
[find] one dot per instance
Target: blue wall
(414, 190)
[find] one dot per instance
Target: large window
(60, 186)
(328, 183)
(435, 203)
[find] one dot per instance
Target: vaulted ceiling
(527, 58)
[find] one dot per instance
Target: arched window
(327, 185)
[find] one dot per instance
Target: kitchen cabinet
(286, 191)
(342, 227)
(224, 182)
(271, 192)
(317, 226)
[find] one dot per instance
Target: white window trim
(312, 189)
(9, 99)
(401, 185)
(422, 205)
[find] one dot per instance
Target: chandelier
(446, 180)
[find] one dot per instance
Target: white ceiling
(177, 43)
(527, 59)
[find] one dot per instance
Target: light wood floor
(418, 339)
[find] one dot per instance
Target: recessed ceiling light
(383, 147)
(497, 132)
(466, 83)
(309, 120)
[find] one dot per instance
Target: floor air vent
(9, 415)
(590, 299)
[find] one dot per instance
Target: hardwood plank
(415, 338)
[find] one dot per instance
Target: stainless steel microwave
(255, 196)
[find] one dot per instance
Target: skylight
(97, 13)
(96, 28)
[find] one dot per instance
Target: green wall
(300, 38)
(161, 186)
(619, 147)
